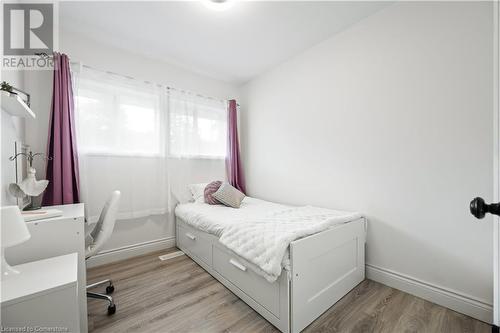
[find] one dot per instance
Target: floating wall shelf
(13, 104)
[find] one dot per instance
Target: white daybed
(321, 269)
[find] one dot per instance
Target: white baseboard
(109, 256)
(451, 299)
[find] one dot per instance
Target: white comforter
(264, 241)
(261, 231)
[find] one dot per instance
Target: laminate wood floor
(177, 295)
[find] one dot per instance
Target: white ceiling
(233, 45)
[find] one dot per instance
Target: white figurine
(29, 186)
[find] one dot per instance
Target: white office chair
(96, 237)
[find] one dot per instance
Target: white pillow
(197, 191)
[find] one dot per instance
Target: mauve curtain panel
(62, 169)
(234, 169)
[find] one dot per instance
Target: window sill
(177, 157)
(106, 154)
(196, 157)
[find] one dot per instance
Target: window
(198, 126)
(118, 118)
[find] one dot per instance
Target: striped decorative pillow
(229, 196)
(210, 189)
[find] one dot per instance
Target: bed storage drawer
(265, 293)
(195, 242)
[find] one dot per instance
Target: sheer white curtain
(122, 137)
(198, 137)
(198, 125)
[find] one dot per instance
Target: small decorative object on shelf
(29, 186)
(7, 87)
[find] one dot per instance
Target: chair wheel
(111, 309)
(110, 289)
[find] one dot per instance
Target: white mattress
(213, 218)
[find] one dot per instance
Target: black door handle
(479, 208)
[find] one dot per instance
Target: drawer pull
(237, 265)
(190, 236)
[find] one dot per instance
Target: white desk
(44, 294)
(53, 237)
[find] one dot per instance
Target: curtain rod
(148, 82)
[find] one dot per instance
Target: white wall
(392, 118)
(39, 85)
(12, 130)
(157, 229)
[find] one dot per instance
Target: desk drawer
(265, 293)
(195, 242)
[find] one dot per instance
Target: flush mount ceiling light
(218, 5)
